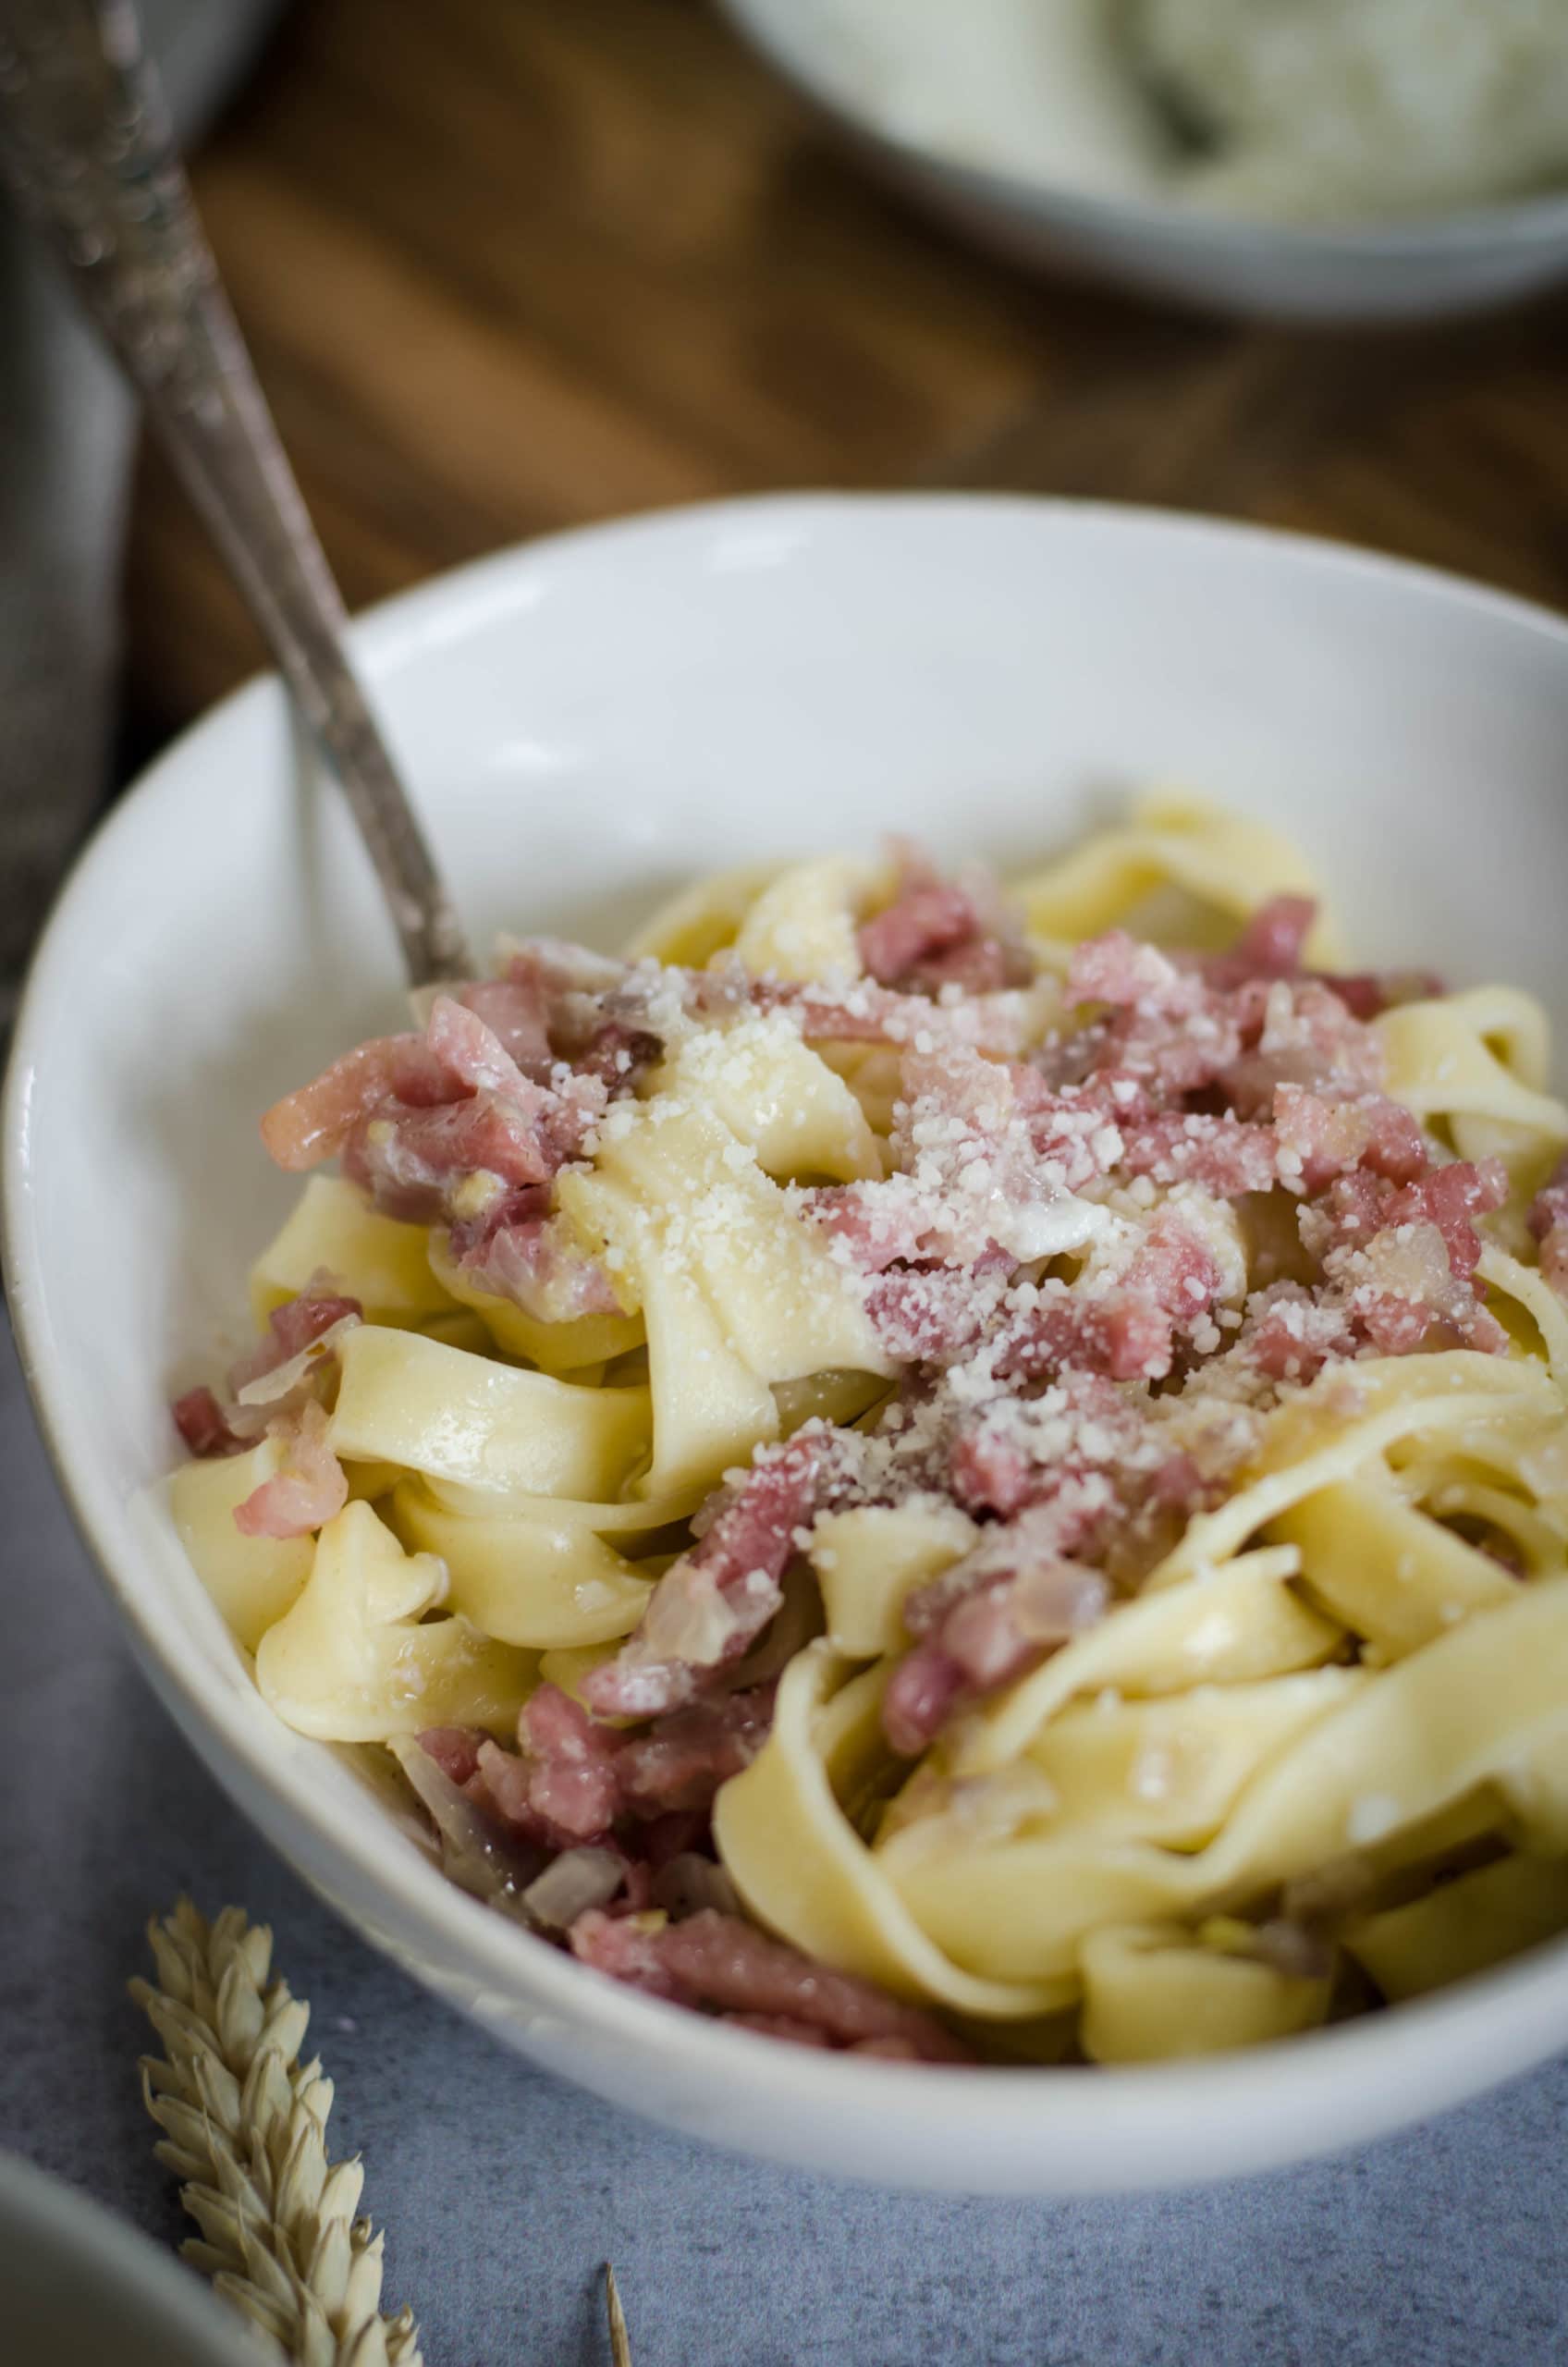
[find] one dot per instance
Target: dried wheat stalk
(244, 2126)
(620, 2347)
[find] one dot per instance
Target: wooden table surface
(510, 264)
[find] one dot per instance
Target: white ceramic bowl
(1427, 269)
(77, 2287)
(589, 721)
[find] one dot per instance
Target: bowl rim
(1538, 220)
(1034, 2114)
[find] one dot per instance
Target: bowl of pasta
(901, 1494)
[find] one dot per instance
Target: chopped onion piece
(476, 1854)
(791, 1629)
(1294, 1950)
(268, 1387)
(691, 1883)
(576, 1880)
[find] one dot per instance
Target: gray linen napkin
(66, 431)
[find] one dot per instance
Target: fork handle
(86, 146)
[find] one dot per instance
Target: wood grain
(512, 264)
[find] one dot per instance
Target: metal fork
(86, 146)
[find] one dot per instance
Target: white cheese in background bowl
(1355, 111)
(1360, 159)
(1044, 91)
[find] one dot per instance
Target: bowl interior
(587, 724)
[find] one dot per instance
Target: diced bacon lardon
(997, 1024)
(876, 1224)
(1550, 1206)
(1398, 1262)
(300, 1324)
(1450, 1199)
(1012, 1452)
(975, 965)
(516, 1011)
(523, 1254)
(1176, 1033)
(1129, 974)
(619, 1056)
(455, 1750)
(928, 918)
(1270, 946)
(318, 1120)
(720, 1963)
(573, 1780)
(203, 1425)
(554, 969)
(712, 1603)
(1291, 1334)
(411, 1116)
(1032, 1582)
(987, 1622)
(1366, 994)
(309, 1488)
(927, 1315)
(560, 1787)
(1297, 1033)
(1321, 1138)
(1128, 1330)
(1549, 1224)
(1072, 1510)
(678, 1765)
(1227, 1156)
(474, 1055)
(270, 1389)
(408, 1161)
(991, 1472)
(995, 1166)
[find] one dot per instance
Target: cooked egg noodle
(1359, 1659)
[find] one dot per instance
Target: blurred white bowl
(1427, 269)
(589, 721)
(76, 2285)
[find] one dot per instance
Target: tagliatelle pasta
(1210, 872)
(525, 1578)
(354, 1660)
(253, 1580)
(935, 1473)
(443, 1411)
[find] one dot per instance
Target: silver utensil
(86, 147)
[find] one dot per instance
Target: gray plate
(77, 2286)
